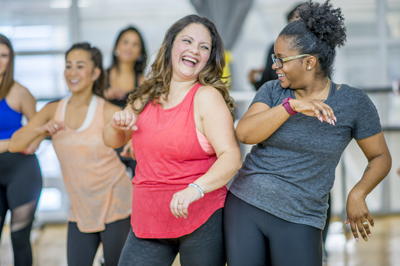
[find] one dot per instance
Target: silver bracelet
(199, 188)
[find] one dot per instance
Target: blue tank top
(10, 120)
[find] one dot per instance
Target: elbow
(13, 148)
(243, 137)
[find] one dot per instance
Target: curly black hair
(319, 30)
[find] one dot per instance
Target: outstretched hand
(124, 120)
(316, 108)
(359, 217)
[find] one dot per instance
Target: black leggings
(82, 247)
(203, 247)
(255, 237)
(20, 186)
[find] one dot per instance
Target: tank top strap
(58, 116)
(188, 100)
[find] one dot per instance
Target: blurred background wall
(42, 30)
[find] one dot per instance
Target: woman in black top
(124, 75)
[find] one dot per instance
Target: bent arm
(116, 135)
(34, 131)
(260, 122)
(218, 127)
(379, 164)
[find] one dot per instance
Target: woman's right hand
(315, 108)
(124, 120)
(51, 128)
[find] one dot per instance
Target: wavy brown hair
(159, 78)
(8, 76)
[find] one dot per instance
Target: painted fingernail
(320, 119)
(369, 235)
(333, 122)
(335, 119)
(357, 239)
(366, 239)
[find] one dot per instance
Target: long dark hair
(100, 84)
(8, 76)
(141, 61)
(318, 32)
(159, 79)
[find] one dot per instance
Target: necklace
(326, 86)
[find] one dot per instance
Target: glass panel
(50, 200)
(360, 17)
(43, 75)
(393, 62)
(393, 18)
(358, 67)
(37, 38)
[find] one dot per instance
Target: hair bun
(325, 22)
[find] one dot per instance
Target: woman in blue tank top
(20, 177)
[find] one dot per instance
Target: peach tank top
(99, 189)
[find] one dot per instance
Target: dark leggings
(255, 237)
(20, 186)
(82, 247)
(203, 247)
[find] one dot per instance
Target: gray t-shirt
(291, 173)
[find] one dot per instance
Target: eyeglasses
(279, 61)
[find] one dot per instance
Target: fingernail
(333, 122)
(369, 235)
(335, 119)
(320, 119)
(366, 239)
(357, 239)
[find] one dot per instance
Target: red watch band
(288, 108)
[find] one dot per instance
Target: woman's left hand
(181, 200)
(358, 216)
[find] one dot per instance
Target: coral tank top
(95, 178)
(169, 158)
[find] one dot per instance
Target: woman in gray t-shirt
(301, 124)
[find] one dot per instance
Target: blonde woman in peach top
(98, 186)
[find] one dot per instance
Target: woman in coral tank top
(181, 125)
(95, 179)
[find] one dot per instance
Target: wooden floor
(383, 249)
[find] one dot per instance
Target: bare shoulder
(208, 94)
(51, 107)
(17, 90)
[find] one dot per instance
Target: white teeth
(74, 81)
(281, 75)
(190, 59)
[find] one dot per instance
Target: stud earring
(308, 68)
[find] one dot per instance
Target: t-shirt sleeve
(367, 122)
(265, 94)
